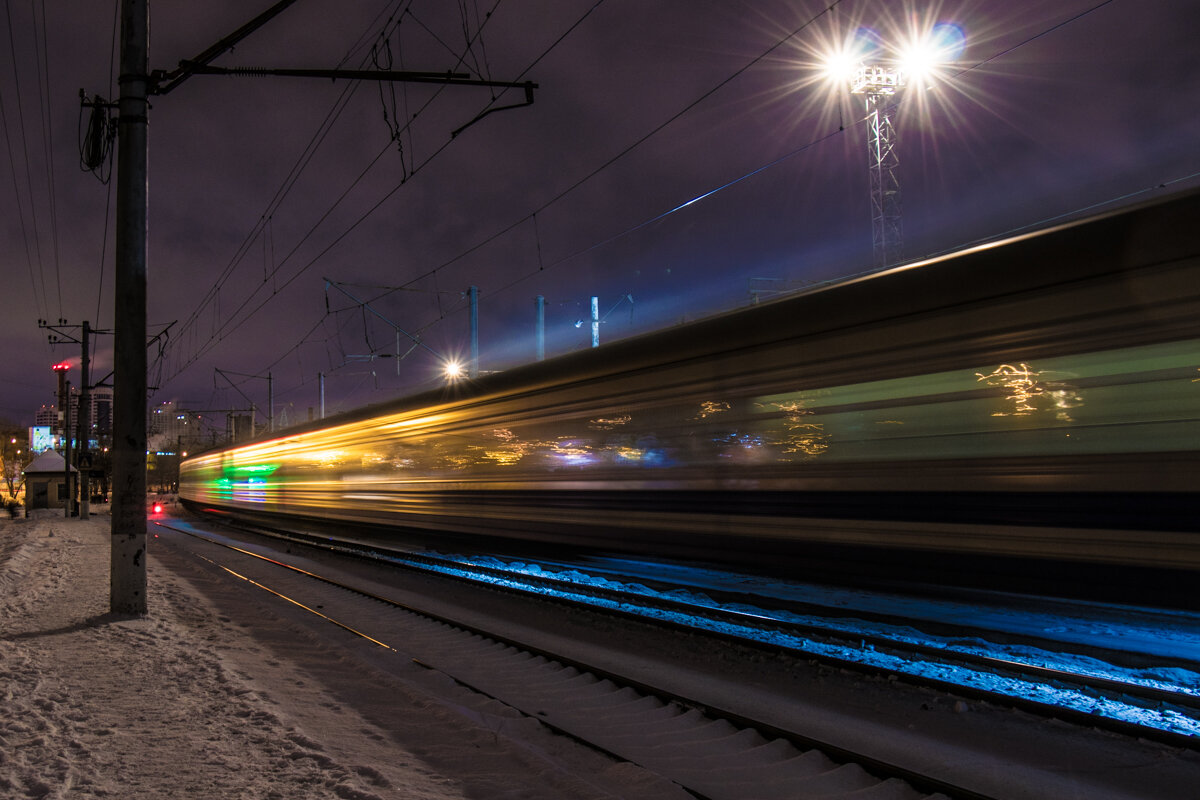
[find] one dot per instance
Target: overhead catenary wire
(232, 326)
(565, 192)
(297, 169)
(39, 295)
(112, 76)
(41, 49)
(285, 188)
(369, 32)
(233, 322)
(532, 215)
(41, 46)
(636, 143)
(35, 253)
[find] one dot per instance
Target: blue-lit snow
(1178, 641)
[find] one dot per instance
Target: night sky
(261, 188)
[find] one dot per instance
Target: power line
(230, 325)
(586, 178)
(281, 193)
(658, 217)
(39, 298)
(37, 250)
(636, 143)
(532, 216)
(112, 74)
(1024, 42)
(41, 45)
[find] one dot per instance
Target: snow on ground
(178, 704)
(104, 706)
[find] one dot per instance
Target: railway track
(653, 707)
(707, 751)
(1137, 707)
(1131, 705)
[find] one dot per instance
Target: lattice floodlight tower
(879, 86)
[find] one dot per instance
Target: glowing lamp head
(840, 67)
(844, 64)
(453, 370)
(925, 54)
(62, 366)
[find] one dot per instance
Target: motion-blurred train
(1021, 415)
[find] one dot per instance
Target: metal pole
(270, 405)
(321, 379)
(540, 306)
(473, 294)
(595, 322)
(63, 405)
(85, 424)
(67, 453)
(127, 589)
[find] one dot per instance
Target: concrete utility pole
(85, 424)
(127, 588)
(64, 421)
(67, 452)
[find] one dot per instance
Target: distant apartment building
(46, 416)
(100, 417)
(172, 429)
(102, 412)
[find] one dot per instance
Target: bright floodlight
(841, 66)
(879, 72)
(454, 370)
(920, 58)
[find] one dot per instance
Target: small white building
(45, 481)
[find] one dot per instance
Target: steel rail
(1085, 685)
(877, 767)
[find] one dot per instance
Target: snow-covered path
(180, 704)
(98, 706)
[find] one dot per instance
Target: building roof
(47, 462)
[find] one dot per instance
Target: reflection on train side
(1132, 400)
(1027, 386)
